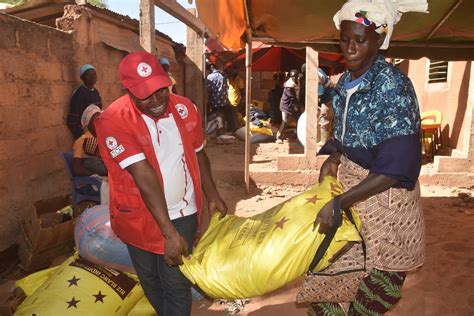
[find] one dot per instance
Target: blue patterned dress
(217, 89)
(382, 125)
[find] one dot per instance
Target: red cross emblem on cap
(144, 70)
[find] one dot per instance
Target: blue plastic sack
(96, 242)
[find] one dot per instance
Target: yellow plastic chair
(431, 129)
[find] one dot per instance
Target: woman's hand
(324, 218)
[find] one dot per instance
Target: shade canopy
(446, 33)
(274, 59)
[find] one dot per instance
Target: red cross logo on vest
(111, 142)
(182, 110)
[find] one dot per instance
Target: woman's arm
(370, 186)
(330, 166)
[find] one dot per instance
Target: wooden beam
(147, 26)
(33, 14)
(248, 97)
(335, 42)
(175, 9)
(311, 103)
(443, 20)
(248, 102)
(469, 127)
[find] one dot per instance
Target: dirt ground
(443, 286)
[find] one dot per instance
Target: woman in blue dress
(376, 154)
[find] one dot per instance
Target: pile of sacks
(236, 258)
(98, 280)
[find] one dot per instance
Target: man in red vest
(152, 144)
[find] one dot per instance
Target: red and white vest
(131, 220)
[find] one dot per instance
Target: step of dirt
(286, 164)
(273, 177)
(458, 180)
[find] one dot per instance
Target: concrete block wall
(449, 98)
(262, 83)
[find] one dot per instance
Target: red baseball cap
(142, 75)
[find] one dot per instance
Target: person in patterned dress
(376, 154)
(217, 90)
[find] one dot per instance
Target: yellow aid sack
(247, 257)
(78, 287)
(143, 308)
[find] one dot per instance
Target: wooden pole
(312, 122)
(248, 96)
(147, 26)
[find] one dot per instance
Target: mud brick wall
(39, 69)
(35, 80)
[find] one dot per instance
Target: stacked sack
(79, 287)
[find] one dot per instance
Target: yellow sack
(78, 287)
(143, 308)
(32, 282)
(247, 257)
(265, 130)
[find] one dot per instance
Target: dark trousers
(168, 291)
(230, 115)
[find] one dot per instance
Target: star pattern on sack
(73, 281)
(281, 222)
(72, 303)
(313, 199)
(99, 297)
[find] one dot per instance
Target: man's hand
(175, 247)
(324, 218)
(217, 205)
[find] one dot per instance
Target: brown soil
(443, 286)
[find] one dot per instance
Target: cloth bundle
(382, 15)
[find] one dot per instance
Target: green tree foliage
(98, 3)
(14, 2)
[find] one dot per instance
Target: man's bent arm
(153, 196)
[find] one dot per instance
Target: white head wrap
(383, 14)
(88, 113)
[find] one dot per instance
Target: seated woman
(87, 161)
